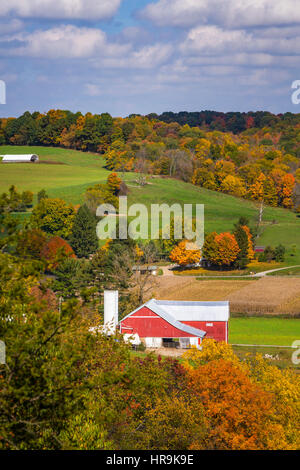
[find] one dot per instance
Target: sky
(144, 56)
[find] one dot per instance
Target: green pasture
(267, 331)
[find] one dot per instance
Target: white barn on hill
(30, 158)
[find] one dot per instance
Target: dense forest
(235, 122)
(250, 155)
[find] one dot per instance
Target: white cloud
(66, 41)
(77, 9)
(212, 40)
(72, 42)
(229, 13)
(147, 57)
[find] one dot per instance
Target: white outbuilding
(30, 158)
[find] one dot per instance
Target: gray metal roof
(195, 311)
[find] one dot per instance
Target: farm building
(30, 158)
(166, 322)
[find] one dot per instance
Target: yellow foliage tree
(183, 256)
(211, 350)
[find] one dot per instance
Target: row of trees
(260, 163)
(221, 250)
(14, 201)
(235, 122)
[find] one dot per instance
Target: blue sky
(142, 56)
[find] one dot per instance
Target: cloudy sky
(142, 56)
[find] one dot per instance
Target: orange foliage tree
(183, 256)
(114, 183)
(55, 251)
(239, 411)
(221, 249)
(250, 242)
(30, 243)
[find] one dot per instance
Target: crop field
(179, 288)
(268, 295)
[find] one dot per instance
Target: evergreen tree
(83, 238)
(242, 239)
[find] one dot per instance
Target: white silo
(110, 311)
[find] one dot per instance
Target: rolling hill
(67, 173)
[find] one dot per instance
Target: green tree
(209, 246)
(41, 383)
(71, 276)
(242, 239)
(279, 253)
(268, 254)
(53, 216)
(27, 198)
(83, 237)
(42, 195)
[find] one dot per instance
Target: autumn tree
(221, 249)
(240, 412)
(53, 216)
(30, 243)
(55, 251)
(183, 255)
(114, 183)
(233, 185)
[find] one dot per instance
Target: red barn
(159, 322)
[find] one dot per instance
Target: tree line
(260, 163)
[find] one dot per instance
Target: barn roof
(175, 312)
(195, 311)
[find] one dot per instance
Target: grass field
(267, 331)
(68, 179)
(294, 272)
(78, 170)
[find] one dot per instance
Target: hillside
(67, 173)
